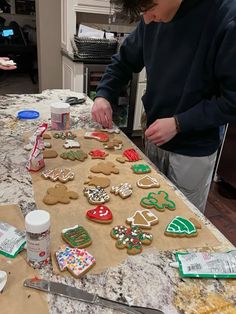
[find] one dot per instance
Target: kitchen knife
(84, 296)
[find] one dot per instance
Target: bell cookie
(105, 167)
(76, 261)
(96, 195)
(58, 174)
(124, 190)
(131, 238)
(101, 214)
(49, 153)
(64, 135)
(115, 144)
(99, 136)
(131, 155)
(98, 154)
(141, 168)
(144, 219)
(148, 182)
(158, 200)
(71, 144)
(181, 227)
(103, 182)
(74, 155)
(59, 194)
(76, 236)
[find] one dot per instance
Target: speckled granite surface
(144, 280)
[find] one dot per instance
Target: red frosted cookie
(101, 214)
(101, 137)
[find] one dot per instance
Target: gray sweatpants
(191, 175)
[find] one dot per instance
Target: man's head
(152, 10)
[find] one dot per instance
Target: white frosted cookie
(143, 218)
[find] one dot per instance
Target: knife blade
(84, 296)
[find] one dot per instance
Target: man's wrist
(178, 129)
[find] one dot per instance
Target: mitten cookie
(159, 200)
(148, 182)
(98, 154)
(59, 194)
(76, 236)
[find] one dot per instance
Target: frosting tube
(36, 161)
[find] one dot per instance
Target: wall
(48, 13)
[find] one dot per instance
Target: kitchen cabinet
(139, 109)
(72, 75)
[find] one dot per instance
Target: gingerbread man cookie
(76, 236)
(96, 195)
(99, 136)
(141, 168)
(158, 200)
(101, 214)
(181, 227)
(76, 261)
(61, 174)
(124, 190)
(131, 238)
(59, 194)
(115, 144)
(148, 182)
(105, 167)
(143, 218)
(103, 182)
(98, 154)
(74, 155)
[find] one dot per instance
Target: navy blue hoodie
(191, 72)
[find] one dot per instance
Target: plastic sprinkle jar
(37, 225)
(60, 116)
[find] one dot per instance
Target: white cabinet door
(139, 109)
(72, 75)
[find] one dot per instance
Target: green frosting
(77, 236)
(181, 226)
(141, 168)
(159, 200)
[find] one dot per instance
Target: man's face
(161, 11)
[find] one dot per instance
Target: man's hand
(102, 112)
(161, 131)
(6, 64)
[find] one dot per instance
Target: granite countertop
(144, 280)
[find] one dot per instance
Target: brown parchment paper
(15, 298)
(103, 246)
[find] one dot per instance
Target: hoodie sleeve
(219, 110)
(127, 61)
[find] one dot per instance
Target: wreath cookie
(158, 200)
(76, 236)
(131, 238)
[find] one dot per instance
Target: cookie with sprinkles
(76, 236)
(131, 238)
(76, 261)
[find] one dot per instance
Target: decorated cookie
(96, 195)
(141, 168)
(99, 136)
(112, 130)
(74, 155)
(58, 174)
(181, 227)
(148, 182)
(98, 154)
(46, 136)
(59, 194)
(131, 238)
(158, 200)
(131, 155)
(103, 182)
(71, 144)
(124, 190)
(101, 214)
(76, 261)
(67, 135)
(114, 144)
(105, 168)
(142, 218)
(76, 236)
(47, 144)
(50, 153)
(121, 159)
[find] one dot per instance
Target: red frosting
(100, 212)
(131, 154)
(98, 153)
(102, 136)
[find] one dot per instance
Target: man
(189, 50)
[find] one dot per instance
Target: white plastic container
(37, 225)
(60, 116)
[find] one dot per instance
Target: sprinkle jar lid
(60, 107)
(37, 221)
(28, 114)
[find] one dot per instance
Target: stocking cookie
(98, 154)
(74, 155)
(99, 136)
(148, 182)
(58, 174)
(142, 218)
(124, 190)
(131, 238)
(101, 214)
(105, 167)
(141, 168)
(76, 236)
(159, 200)
(71, 144)
(181, 227)
(76, 261)
(59, 194)
(103, 182)
(96, 195)
(131, 155)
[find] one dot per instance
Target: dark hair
(131, 9)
